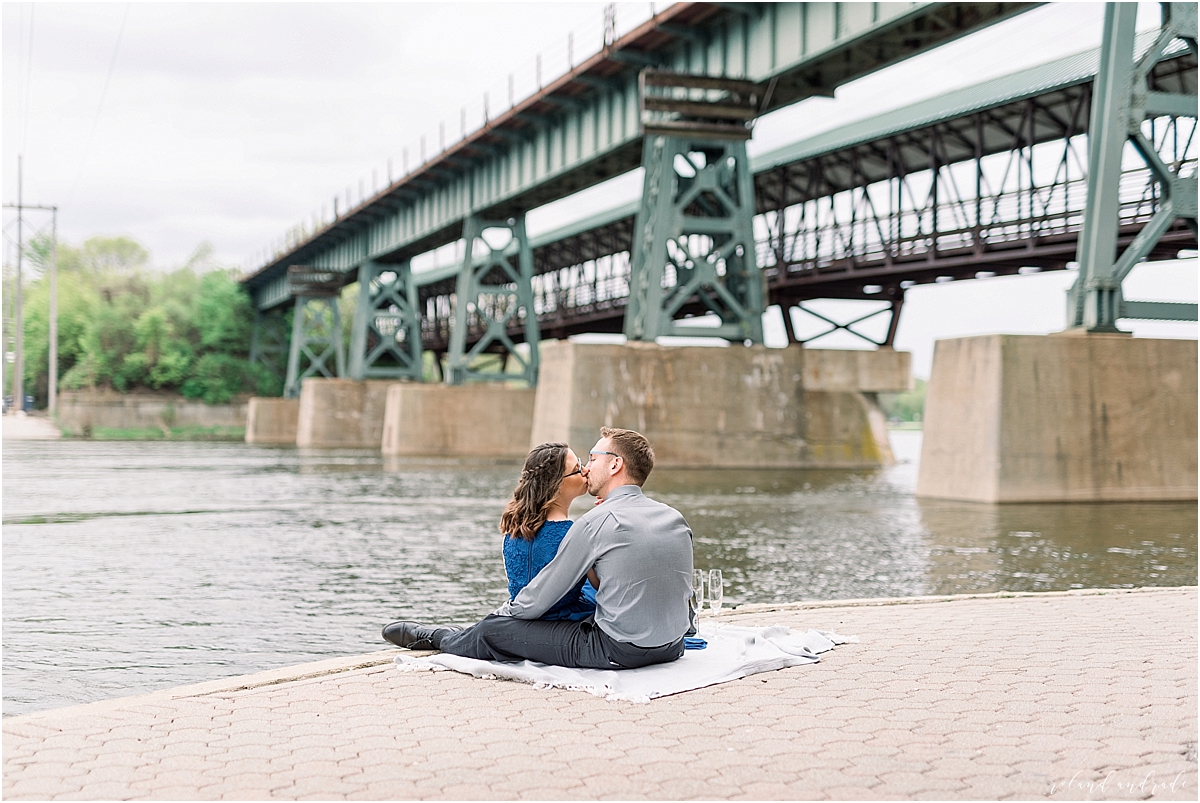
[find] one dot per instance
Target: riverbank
(40, 428)
(230, 434)
(1086, 694)
(24, 427)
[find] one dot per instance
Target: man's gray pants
(581, 645)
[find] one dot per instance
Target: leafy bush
(123, 327)
(216, 379)
(905, 407)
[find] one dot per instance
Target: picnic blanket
(733, 652)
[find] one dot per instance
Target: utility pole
(18, 378)
(52, 375)
(17, 386)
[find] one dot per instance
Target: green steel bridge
(987, 180)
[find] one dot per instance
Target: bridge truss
(988, 180)
(996, 190)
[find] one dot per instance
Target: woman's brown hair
(540, 480)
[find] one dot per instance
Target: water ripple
(135, 566)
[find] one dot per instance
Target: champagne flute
(697, 595)
(716, 590)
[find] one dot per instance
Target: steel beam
(316, 337)
(1158, 311)
(591, 130)
(1121, 102)
(385, 340)
(694, 242)
(269, 342)
(489, 295)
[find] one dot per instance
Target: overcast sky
(229, 123)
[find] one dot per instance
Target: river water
(130, 567)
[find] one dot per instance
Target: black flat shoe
(416, 636)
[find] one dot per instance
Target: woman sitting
(535, 522)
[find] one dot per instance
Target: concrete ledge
(341, 413)
(81, 412)
(490, 421)
(1020, 418)
(272, 421)
(880, 371)
(713, 407)
(1083, 695)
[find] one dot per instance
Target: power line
(103, 94)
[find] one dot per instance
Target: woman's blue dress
(524, 559)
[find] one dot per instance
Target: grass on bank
(192, 433)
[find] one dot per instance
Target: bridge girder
(581, 279)
(1019, 208)
(803, 48)
(1125, 98)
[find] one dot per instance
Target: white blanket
(733, 652)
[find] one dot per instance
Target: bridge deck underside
(992, 191)
(585, 127)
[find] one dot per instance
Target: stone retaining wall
(82, 412)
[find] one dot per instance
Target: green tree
(216, 378)
(76, 299)
(224, 315)
(114, 254)
(126, 328)
(908, 406)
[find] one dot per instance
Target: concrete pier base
(722, 407)
(341, 413)
(457, 421)
(1060, 418)
(272, 421)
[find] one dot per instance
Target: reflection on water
(1054, 547)
(135, 566)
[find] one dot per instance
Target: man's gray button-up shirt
(642, 553)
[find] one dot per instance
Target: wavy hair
(540, 480)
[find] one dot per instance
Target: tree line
(125, 326)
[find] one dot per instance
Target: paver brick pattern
(1069, 696)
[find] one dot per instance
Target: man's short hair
(634, 449)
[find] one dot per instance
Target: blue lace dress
(524, 559)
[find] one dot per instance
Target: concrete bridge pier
(272, 421)
(486, 420)
(1070, 417)
(341, 413)
(412, 419)
(736, 407)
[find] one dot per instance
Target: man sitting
(639, 553)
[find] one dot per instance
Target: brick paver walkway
(1086, 695)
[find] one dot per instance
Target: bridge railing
(851, 232)
(816, 237)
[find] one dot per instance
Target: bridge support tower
(316, 328)
(1091, 414)
(316, 340)
(1122, 102)
(693, 238)
(471, 414)
(269, 343)
(385, 340)
(490, 295)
